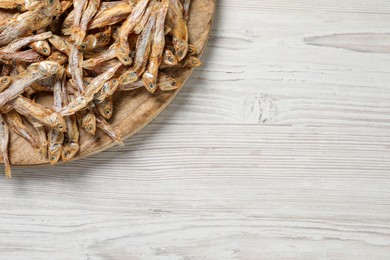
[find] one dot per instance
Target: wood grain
(275, 149)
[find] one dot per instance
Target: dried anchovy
(81, 52)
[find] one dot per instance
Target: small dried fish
(122, 48)
(169, 59)
(164, 83)
(79, 33)
(81, 102)
(42, 138)
(191, 62)
(102, 124)
(34, 72)
(96, 49)
(93, 62)
(167, 83)
(186, 9)
(20, 56)
(71, 144)
(30, 21)
(106, 107)
(42, 47)
(15, 122)
(60, 44)
(28, 108)
(58, 57)
(192, 50)
(75, 60)
(97, 40)
(179, 29)
(10, 4)
(22, 5)
(145, 17)
(88, 121)
(131, 86)
(5, 81)
(108, 13)
(151, 73)
(6, 70)
(56, 138)
(78, 8)
(188, 62)
(55, 145)
(112, 15)
(65, 5)
(20, 43)
(142, 53)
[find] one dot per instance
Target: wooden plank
(262, 67)
(228, 192)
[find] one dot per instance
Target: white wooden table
(278, 148)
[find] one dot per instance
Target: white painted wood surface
(278, 148)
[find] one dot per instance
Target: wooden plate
(133, 110)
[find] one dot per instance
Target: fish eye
(4, 80)
(53, 158)
(66, 154)
(45, 50)
(151, 85)
(50, 1)
(107, 111)
(83, 46)
(170, 59)
(173, 83)
(60, 126)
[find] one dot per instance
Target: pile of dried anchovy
(83, 51)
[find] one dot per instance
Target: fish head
(69, 151)
(55, 152)
(52, 7)
(88, 123)
(128, 77)
(49, 68)
(181, 48)
(43, 48)
(58, 57)
(149, 82)
(192, 50)
(125, 59)
(167, 83)
(169, 58)
(58, 122)
(106, 108)
(122, 51)
(89, 43)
